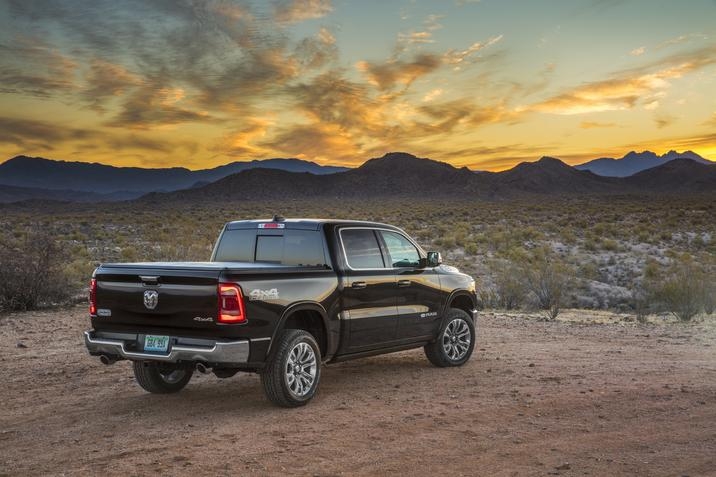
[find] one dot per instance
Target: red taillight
(231, 304)
(93, 297)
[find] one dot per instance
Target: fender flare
(453, 295)
(290, 310)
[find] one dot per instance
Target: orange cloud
(293, 11)
(454, 57)
(34, 68)
(243, 141)
(105, 80)
(397, 72)
(595, 125)
(415, 37)
(318, 141)
(35, 137)
(638, 51)
(626, 89)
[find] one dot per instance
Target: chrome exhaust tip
(202, 368)
(107, 360)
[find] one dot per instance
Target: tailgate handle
(358, 285)
(149, 280)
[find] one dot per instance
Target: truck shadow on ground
(244, 392)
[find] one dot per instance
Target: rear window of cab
(289, 247)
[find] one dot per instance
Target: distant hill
(37, 172)
(10, 194)
(400, 173)
(676, 176)
(634, 162)
(551, 176)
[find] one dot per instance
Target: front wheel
(291, 378)
(455, 342)
(158, 380)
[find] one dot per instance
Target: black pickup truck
(281, 297)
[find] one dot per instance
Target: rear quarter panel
(268, 297)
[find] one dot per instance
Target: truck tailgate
(161, 295)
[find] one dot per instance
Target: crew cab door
(418, 294)
(369, 291)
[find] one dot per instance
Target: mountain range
(404, 175)
(634, 162)
(394, 174)
(41, 173)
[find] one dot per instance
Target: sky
(479, 83)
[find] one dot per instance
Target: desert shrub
(547, 279)
(610, 245)
(684, 289)
(32, 271)
(471, 248)
(487, 298)
(509, 286)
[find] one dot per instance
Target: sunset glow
(484, 84)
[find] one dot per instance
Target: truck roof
(302, 223)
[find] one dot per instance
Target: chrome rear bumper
(182, 349)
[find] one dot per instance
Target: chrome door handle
(358, 285)
(404, 283)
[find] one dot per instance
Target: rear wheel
(291, 378)
(455, 342)
(158, 380)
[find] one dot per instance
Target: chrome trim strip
(372, 312)
(268, 338)
(412, 309)
(229, 352)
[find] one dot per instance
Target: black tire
(286, 376)
(161, 381)
(453, 340)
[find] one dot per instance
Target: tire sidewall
(307, 338)
(453, 315)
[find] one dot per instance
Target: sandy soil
(568, 398)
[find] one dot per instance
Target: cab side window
(402, 252)
(362, 249)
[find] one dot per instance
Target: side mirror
(434, 259)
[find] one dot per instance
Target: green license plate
(156, 344)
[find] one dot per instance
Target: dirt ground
(588, 395)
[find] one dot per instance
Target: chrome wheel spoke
(456, 339)
(301, 369)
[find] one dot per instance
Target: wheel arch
(307, 316)
(461, 299)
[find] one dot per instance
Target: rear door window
(303, 247)
(361, 248)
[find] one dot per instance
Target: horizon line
(473, 167)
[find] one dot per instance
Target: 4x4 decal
(258, 294)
